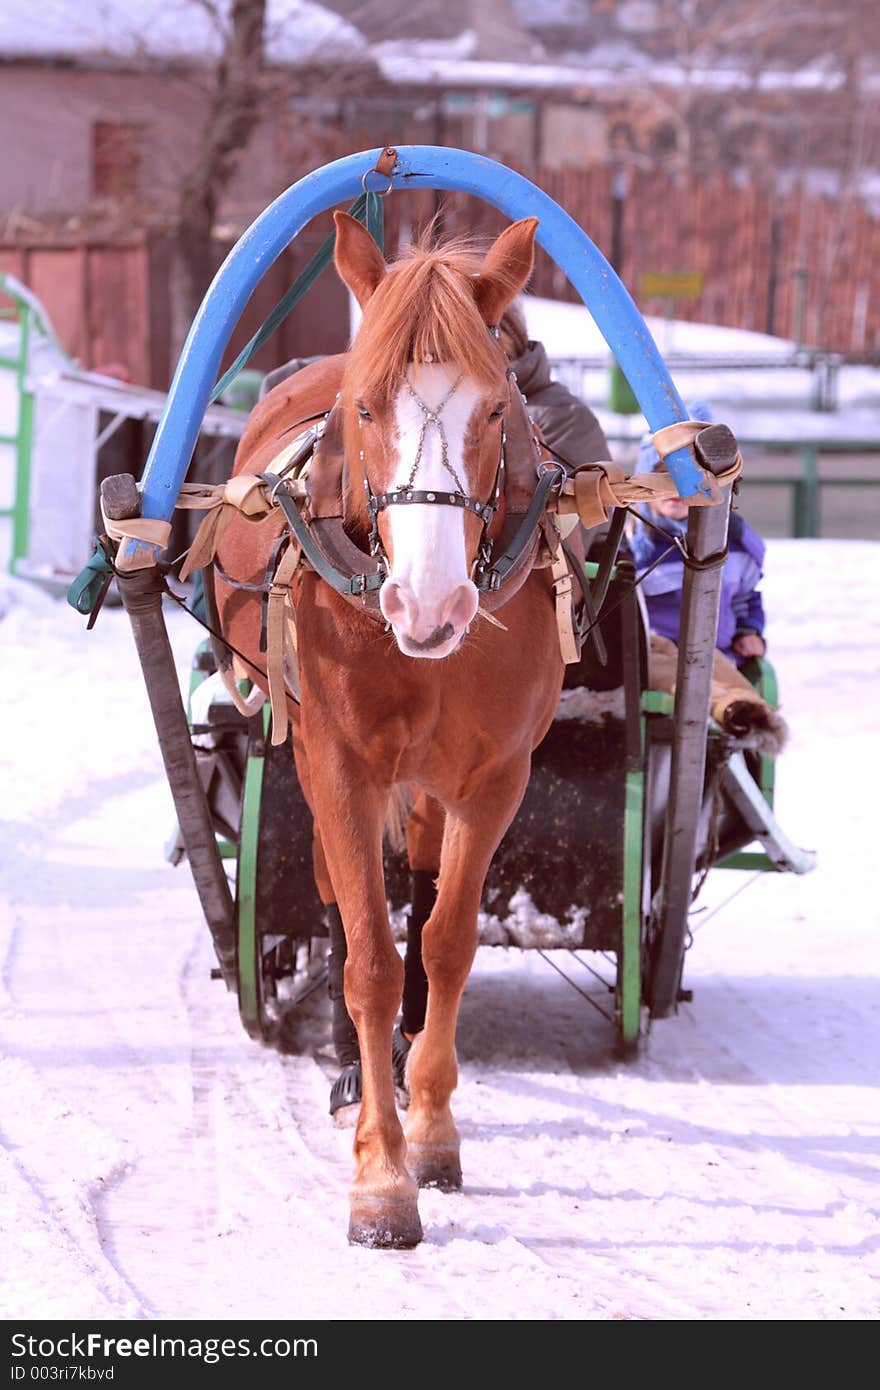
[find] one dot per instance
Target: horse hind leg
(423, 896)
(345, 1093)
(424, 842)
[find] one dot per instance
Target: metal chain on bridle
(409, 493)
(432, 417)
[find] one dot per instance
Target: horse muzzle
(428, 628)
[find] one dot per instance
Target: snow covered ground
(156, 1163)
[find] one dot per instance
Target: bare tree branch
(233, 113)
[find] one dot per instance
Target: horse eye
(363, 412)
(497, 413)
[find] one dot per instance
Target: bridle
(523, 481)
(457, 497)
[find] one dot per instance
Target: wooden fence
(801, 267)
(111, 305)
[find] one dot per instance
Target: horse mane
(424, 310)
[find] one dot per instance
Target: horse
(445, 682)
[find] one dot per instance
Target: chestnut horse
(422, 690)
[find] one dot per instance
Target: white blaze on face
(429, 598)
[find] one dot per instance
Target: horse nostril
(461, 606)
(398, 605)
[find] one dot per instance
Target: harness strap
(319, 538)
(522, 452)
(594, 490)
(245, 494)
(588, 624)
(521, 547)
(265, 588)
(280, 642)
(363, 584)
(137, 528)
(563, 592)
(378, 501)
(246, 705)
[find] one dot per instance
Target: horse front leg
(449, 943)
(350, 811)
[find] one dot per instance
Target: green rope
(368, 209)
(374, 219)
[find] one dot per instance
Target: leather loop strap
(679, 435)
(594, 492)
(137, 528)
(564, 595)
(280, 658)
(716, 561)
(384, 168)
(248, 705)
(244, 495)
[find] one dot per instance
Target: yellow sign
(672, 284)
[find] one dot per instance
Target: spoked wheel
(629, 995)
(256, 978)
(278, 912)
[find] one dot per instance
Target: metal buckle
(388, 157)
(282, 482)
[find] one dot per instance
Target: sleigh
(633, 797)
(582, 869)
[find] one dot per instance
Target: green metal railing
(806, 488)
(22, 440)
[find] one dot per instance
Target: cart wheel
(636, 899)
(278, 911)
(256, 984)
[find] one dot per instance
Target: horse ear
(506, 269)
(357, 257)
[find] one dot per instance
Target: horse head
(424, 395)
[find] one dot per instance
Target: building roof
(505, 44)
(150, 30)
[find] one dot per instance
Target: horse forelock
(423, 311)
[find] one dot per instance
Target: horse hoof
(435, 1165)
(384, 1223)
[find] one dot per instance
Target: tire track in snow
(54, 1167)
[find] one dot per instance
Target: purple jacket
(741, 608)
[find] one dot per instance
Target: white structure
(51, 438)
